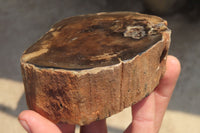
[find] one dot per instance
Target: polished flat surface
(95, 40)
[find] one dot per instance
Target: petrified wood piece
(90, 67)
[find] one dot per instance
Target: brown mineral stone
(89, 67)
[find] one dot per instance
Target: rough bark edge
(79, 97)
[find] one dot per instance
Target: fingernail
(25, 125)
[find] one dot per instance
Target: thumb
(32, 122)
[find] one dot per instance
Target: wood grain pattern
(90, 67)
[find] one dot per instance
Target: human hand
(147, 115)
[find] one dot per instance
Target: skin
(147, 115)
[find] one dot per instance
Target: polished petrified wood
(89, 67)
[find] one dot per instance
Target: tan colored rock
(89, 67)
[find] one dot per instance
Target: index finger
(166, 87)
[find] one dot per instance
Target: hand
(147, 114)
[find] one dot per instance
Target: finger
(95, 127)
(35, 123)
(143, 114)
(165, 89)
(66, 128)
